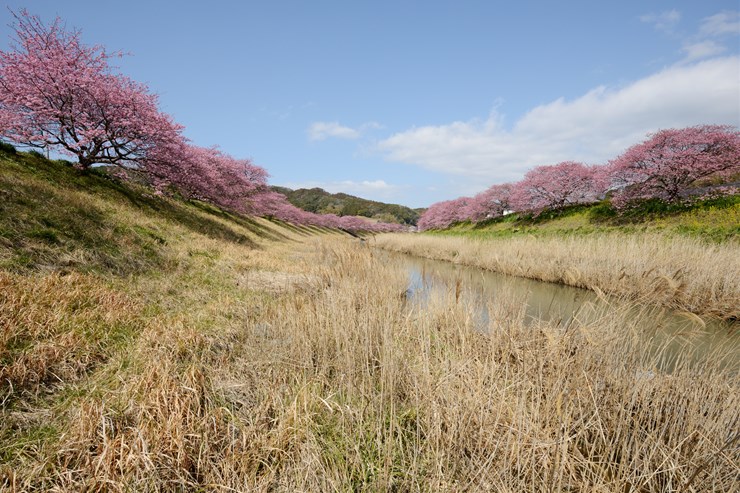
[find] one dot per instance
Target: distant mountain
(320, 201)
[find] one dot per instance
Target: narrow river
(559, 304)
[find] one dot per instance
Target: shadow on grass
(244, 221)
(48, 221)
(299, 230)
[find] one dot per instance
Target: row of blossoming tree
(57, 93)
(670, 166)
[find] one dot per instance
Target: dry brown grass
(203, 352)
(331, 380)
(681, 272)
(55, 328)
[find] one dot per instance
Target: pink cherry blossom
(668, 164)
(57, 92)
(444, 214)
(491, 203)
(555, 186)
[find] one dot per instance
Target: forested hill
(318, 200)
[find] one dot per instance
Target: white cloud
(664, 21)
(324, 130)
(721, 24)
(705, 43)
(592, 128)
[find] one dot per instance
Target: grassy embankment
(687, 258)
(153, 345)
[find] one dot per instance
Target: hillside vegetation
(53, 216)
(320, 201)
(154, 344)
(715, 219)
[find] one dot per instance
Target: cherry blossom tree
(487, 204)
(444, 214)
(56, 92)
(490, 203)
(555, 186)
(274, 205)
(220, 178)
(669, 163)
(205, 174)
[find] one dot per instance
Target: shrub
(36, 153)
(7, 148)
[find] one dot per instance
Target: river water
(559, 304)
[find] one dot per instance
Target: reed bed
(680, 272)
(339, 382)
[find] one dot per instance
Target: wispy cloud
(592, 128)
(325, 130)
(702, 49)
(721, 24)
(709, 39)
(664, 21)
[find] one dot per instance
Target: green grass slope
(716, 220)
(54, 217)
(98, 279)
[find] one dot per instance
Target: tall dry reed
(681, 272)
(339, 382)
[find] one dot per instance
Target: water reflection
(669, 332)
(544, 301)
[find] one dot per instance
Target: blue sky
(420, 101)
